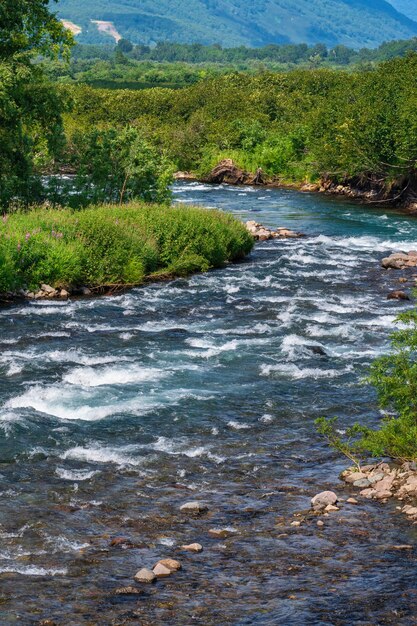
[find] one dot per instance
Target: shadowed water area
(115, 411)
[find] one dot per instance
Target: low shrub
(109, 245)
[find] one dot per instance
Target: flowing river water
(115, 411)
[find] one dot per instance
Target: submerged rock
(126, 591)
(398, 295)
(194, 507)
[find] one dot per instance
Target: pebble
(320, 523)
(145, 576)
(351, 501)
(193, 547)
(362, 483)
(160, 571)
(329, 508)
(295, 523)
(194, 507)
(170, 564)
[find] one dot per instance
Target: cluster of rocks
(327, 186)
(162, 569)
(262, 233)
(46, 292)
(400, 260)
(383, 481)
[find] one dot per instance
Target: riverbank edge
(382, 481)
(166, 244)
(402, 196)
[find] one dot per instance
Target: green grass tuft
(113, 245)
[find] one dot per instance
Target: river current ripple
(115, 411)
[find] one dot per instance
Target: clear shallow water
(115, 411)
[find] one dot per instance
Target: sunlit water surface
(115, 411)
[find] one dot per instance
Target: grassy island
(115, 245)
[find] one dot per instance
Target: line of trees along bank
(300, 126)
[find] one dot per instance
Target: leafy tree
(118, 166)
(30, 108)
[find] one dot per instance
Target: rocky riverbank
(384, 481)
(402, 195)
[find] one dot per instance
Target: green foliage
(118, 166)
(30, 108)
(297, 126)
(115, 245)
(345, 442)
(394, 378)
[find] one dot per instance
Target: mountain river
(115, 411)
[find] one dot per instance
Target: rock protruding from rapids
(400, 260)
(323, 500)
(192, 547)
(145, 576)
(262, 233)
(228, 172)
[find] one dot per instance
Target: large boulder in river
(323, 499)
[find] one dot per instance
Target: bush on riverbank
(111, 245)
(394, 377)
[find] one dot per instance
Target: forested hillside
(354, 23)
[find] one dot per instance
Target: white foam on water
(62, 402)
(294, 346)
(290, 370)
(119, 375)
(238, 425)
(122, 456)
(33, 570)
(63, 544)
(75, 475)
(365, 242)
(14, 369)
(211, 349)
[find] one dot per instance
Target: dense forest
(177, 65)
(298, 126)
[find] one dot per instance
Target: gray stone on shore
(323, 499)
(362, 483)
(194, 507)
(145, 576)
(48, 289)
(351, 478)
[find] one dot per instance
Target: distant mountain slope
(408, 7)
(355, 23)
